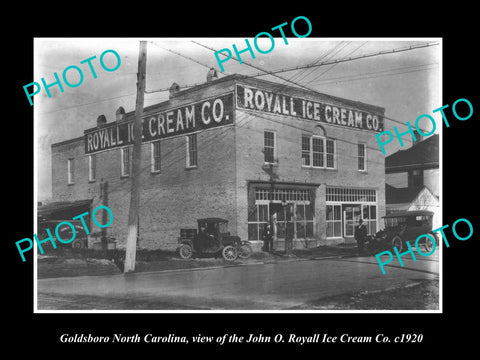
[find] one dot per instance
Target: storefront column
(320, 228)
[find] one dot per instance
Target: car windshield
(395, 221)
(223, 228)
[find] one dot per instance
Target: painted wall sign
(275, 103)
(206, 114)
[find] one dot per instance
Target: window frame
(154, 158)
(92, 167)
(371, 229)
(306, 151)
(122, 162)
(274, 147)
(71, 171)
(333, 221)
(188, 156)
(364, 157)
(324, 152)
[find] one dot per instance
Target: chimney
(212, 73)
(418, 138)
(101, 121)
(174, 89)
(120, 114)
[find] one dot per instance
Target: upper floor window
(92, 167)
(156, 162)
(125, 155)
(362, 157)
(191, 151)
(71, 171)
(318, 152)
(269, 147)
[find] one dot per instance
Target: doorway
(351, 214)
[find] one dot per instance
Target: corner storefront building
(239, 148)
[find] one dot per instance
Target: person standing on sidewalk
(360, 236)
(268, 238)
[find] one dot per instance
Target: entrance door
(283, 218)
(351, 215)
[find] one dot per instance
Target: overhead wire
(299, 76)
(375, 74)
(333, 65)
(265, 71)
(408, 48)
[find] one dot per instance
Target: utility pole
(132, 232)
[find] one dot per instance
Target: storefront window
(370, 218)
(257, 219)
(334, 221)
(304, 221)
(291, 208)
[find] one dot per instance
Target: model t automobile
(401, 227)
(212, 238)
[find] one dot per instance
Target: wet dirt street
(258, 286)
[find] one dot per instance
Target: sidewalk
(69, 264)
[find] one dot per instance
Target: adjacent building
(239, 148)
(413, 178)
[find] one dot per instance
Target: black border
(456, 25)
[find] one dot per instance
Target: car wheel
(78, 244)
(185, 251)
(229, 253)
(428, 244)
(398, 243)
(245, 251)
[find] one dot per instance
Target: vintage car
(80, 240)
(212, 238)
(401, 227)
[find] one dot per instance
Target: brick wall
(228, 158)
(250, 127)
(169, 200)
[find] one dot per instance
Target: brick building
(239, 148)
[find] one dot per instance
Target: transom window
(282, 195)
(351, 195)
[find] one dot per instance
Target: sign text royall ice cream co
(269, 102)
(217, 111)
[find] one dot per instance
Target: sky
(407, 84)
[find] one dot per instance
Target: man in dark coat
(360, 236)
(268, 238)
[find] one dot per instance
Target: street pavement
(253, 286)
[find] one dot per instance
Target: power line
(274, 72)
(253, 66)
(306, 72)
(179, 54)
(90, 103)
(331, 67)
(364, 77)
(328, 62)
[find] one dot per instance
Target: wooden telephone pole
(131, 247)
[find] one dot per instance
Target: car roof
(211, 219)
(408, 213)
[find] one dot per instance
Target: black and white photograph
(215, 180)
(274, 174)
